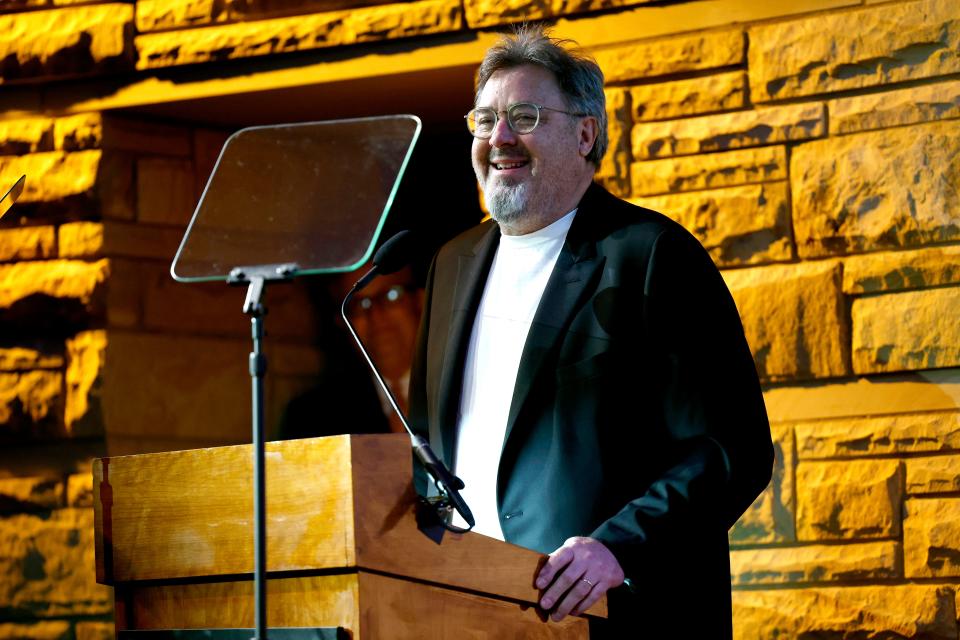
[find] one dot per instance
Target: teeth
(511, 165)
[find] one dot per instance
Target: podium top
(338, 503)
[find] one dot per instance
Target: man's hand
(576, 575)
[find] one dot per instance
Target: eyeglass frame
(496, 118)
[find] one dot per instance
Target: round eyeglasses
(522, 117)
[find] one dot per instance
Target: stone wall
(811, 146)
(818, 160)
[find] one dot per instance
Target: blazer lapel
(574, 271)
(472, 269)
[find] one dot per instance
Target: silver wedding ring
(587, 581)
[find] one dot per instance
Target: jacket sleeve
(718, 455)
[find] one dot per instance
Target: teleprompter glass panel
(313, 194)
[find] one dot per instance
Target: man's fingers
(562, 584)
(556, 561)
(580, 590)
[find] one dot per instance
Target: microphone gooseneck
(391, 257)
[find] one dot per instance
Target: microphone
(392, 256)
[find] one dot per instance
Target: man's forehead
(524, 82)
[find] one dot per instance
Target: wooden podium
(174, 538)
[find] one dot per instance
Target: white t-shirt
(518, 276)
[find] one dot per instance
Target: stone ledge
(708, 171)
(666, 56)
(931, 538)
(67, 42)
(883, 611)
(895, 108)
(901, 270)
(905, 331)
(43, 630)
(120, 239)
(298, 33)
(38, 356)
(850, 194)
(879, 435)
(851, 50)
(787, 344)
(849, 500)
(816, 564)
(735, 130)
(736, 225)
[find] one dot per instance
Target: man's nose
(502, 134)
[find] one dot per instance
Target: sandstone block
(27, 135)
(850, 499)
(709, 171)
(489, 13)
(212, 308)
(80, 489)
(841, 51)
(187, 385)
(31, 403)
(48, 568)
(299, 33)
(84, 181)
(95, 631)
(27, 243)
(882, 611)
(900, 270)
(734, 130)
(931, 538)
(66, 42)
(46, 630)
(737, 225)
(96, 131)
(83, 414)
(680, 98)
(156, 15)
(666, 56)
(794, 318)
(41, 355)
(879, 435)
(895, 108)
(770, 518)
(114, 238)
(816, 564)
(906, 331)
(61, 279)
(125, 291)
(30, 494)
(851, 193)
(938, 474)
(614, 170)
(165, 190)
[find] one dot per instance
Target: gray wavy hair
(580, 77)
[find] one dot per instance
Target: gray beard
(507, 204)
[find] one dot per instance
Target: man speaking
(582, 367)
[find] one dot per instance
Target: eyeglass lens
(522, 117)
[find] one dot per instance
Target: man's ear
(588, 135)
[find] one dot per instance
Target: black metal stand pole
(258, 369)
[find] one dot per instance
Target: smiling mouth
(503, 166)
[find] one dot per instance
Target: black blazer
(637, 416)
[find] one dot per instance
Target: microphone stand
(447, 484)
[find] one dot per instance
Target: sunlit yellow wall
(813, 147)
